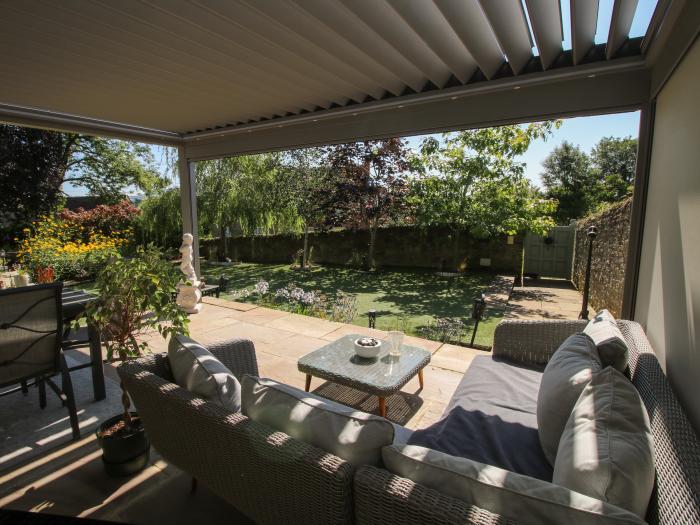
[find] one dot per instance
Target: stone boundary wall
(609, 256)
(406, 246)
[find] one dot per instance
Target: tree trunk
(305, 259)
(223, 248)
(372, 238)
(455, 249)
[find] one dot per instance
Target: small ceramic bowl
(367, 351)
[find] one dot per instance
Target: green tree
(32, 166)
(160, 221)
(614, 161)
(304, 181)
(371, 187)
(569, 179)
(471, 180)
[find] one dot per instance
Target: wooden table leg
(98, 373)
(308, 382)
(382, 406)
(420, 378)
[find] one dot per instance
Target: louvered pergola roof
(203, 72)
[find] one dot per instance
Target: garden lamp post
(372, 317)
(591, 234)
(478, 309)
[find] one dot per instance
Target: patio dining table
(74, 302)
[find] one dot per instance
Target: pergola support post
(188, 201)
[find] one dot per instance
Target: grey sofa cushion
(197, 370)
(519, 498)
(355, 436)
(492, 419)
(608, 338)
(567, 373)
(606, 450)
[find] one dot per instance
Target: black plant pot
(125, 452)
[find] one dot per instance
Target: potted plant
(135, 297)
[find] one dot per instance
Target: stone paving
(545, 299)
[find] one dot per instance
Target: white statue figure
(189, 296)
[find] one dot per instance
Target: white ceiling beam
(509, 24)
(584, 21)
(545, 18)
(620, 24)
(471, 25)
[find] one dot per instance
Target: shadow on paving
(400, 407)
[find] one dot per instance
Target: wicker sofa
(274, 478)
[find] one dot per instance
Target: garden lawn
(407, 299)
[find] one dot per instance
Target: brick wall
(609, 256)
(396, 247)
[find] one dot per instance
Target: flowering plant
(71, 250)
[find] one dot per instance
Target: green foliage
(583, 183)
(106, 167)
(471, 180)
(32, 163)
(160, 221)
(135, 295)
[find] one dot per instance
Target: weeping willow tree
(160, 221)
(243, 193)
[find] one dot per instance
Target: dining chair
(31, 333)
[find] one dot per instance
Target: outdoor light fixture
(478, 309)
(372, 317)
(591, 234)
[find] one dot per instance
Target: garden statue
(189, 295)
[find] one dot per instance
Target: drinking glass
(395, 342)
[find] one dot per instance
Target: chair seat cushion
(355, 436)
(513, 496)
(491, 419)
(607, 450)
(567, 373)
(197, 370)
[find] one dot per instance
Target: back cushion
(606, 450)
(520, 498)
(357, 437)
(608, 338)
(567, 373)
(197, 370)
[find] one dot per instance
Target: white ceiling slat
(323, 37)
(545, 18)
(620, 24)
(584, 21)
(345, 24)
(430, 24)
(131, 39)
(282, 43)
(471, 25)
(508, 21)
(385, 21)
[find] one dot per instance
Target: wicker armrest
(382, 498)
(238, 355)
(532, 343)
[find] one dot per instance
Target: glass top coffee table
(381, 376)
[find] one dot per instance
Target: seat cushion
(355, 436)
(606, 450)
(197, 370)
(491, 419)
(520, 498)
(567, 373)
(608, 338)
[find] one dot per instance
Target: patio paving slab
(455, 358)
(304, 324)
